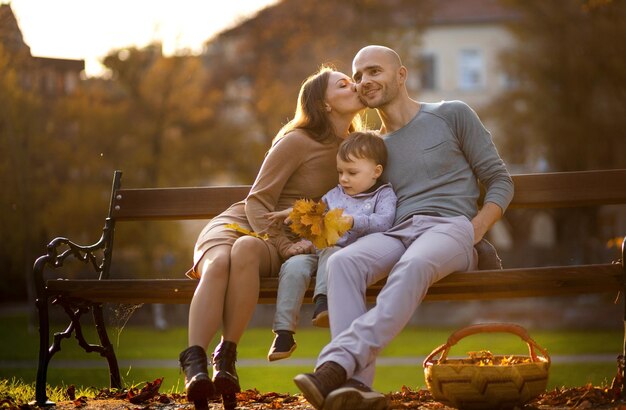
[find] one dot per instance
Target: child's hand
(279, 217)
(301, 247)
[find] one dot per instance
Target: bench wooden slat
(548, 190)
(498, 284)
(581, 188)
(175, 203)
(529, 282)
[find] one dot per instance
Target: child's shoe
(320, 314)
(282, 347)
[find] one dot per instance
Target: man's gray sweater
(437, 160)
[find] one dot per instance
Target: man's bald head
(383, 54)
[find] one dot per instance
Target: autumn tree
(167, 138)
(565, 108)
(569, 99)
(21, 125)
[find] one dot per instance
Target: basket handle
(487, 328)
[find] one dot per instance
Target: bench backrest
(548, 190)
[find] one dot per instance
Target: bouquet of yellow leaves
(310, 220)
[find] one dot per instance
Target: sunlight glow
(89, 29)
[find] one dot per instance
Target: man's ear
(402, 74)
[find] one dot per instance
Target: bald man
(437, 154)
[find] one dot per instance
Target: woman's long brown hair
(311, 114)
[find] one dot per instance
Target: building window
(71, 82)
(471, 70)
(428, 70)
(49, 83)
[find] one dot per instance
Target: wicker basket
(465, 384)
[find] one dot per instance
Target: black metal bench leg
(621, 360)
(108, 351)
(41, 399)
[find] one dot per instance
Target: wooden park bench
(81, 296)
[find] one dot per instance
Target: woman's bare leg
(207, 305)
(249, 259)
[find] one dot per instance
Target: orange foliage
(486, 358)
(239, 228)
(311, 220)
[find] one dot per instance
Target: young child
(370, 206)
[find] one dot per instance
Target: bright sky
(89, 29)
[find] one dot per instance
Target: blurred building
(459, 50)
(48, 77)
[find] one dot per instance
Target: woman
(299, 164)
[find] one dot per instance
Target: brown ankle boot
(198, 384)
(224, 372)
(316, 386)
(225, 377)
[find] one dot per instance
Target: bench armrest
(60, 249)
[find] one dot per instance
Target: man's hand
(486, 217)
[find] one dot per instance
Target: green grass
(136, 342)
(21, 393)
